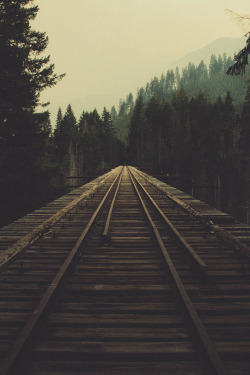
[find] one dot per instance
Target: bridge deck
(125, 275)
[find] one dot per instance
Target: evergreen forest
(191, 127)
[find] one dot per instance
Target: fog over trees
(190, 125)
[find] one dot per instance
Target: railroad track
(127, 284)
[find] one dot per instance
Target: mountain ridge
(139, 76)
(227, 45)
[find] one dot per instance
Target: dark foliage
(199, 146)
(192, 79)
(241, 60)
(24, 133)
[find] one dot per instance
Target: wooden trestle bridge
(124, 276)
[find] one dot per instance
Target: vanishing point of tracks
(125, 283)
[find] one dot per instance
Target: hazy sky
(108, 48)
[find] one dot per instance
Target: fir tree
(241, 60)
(108, 136)
(24, 74)
(245, 124)
(136, 146)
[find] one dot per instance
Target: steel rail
(19, 353)
(106, 232)
(13, 251)
(203, 342)
(237, 245)
(197, 262)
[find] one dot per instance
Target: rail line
(126, 285)
(223, 235)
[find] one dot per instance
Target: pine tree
(168, 138)
(154, 119)
(177, 77)
(67, 141)
(59, 119)
(244, 144)
(113, 113)
(199, 117)
(181, 131)
(213, 66)
(241, 60)
(130, 102)
(108, 136)
(228, 152)
(137, 145)
(229, 126)
(122, 108)
(202, 70)
(170, 81)
(24, 74)
(245, 123)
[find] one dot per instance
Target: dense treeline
(193, 79)
(72, 148)
(25, 168)
(82, 147)
(204, 145)
(186, 125)
(34, 158)
(193, 125)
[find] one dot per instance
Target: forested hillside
(211, 79)
(202, 146)
(192, 126)
(35, 157)
(84, 146)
